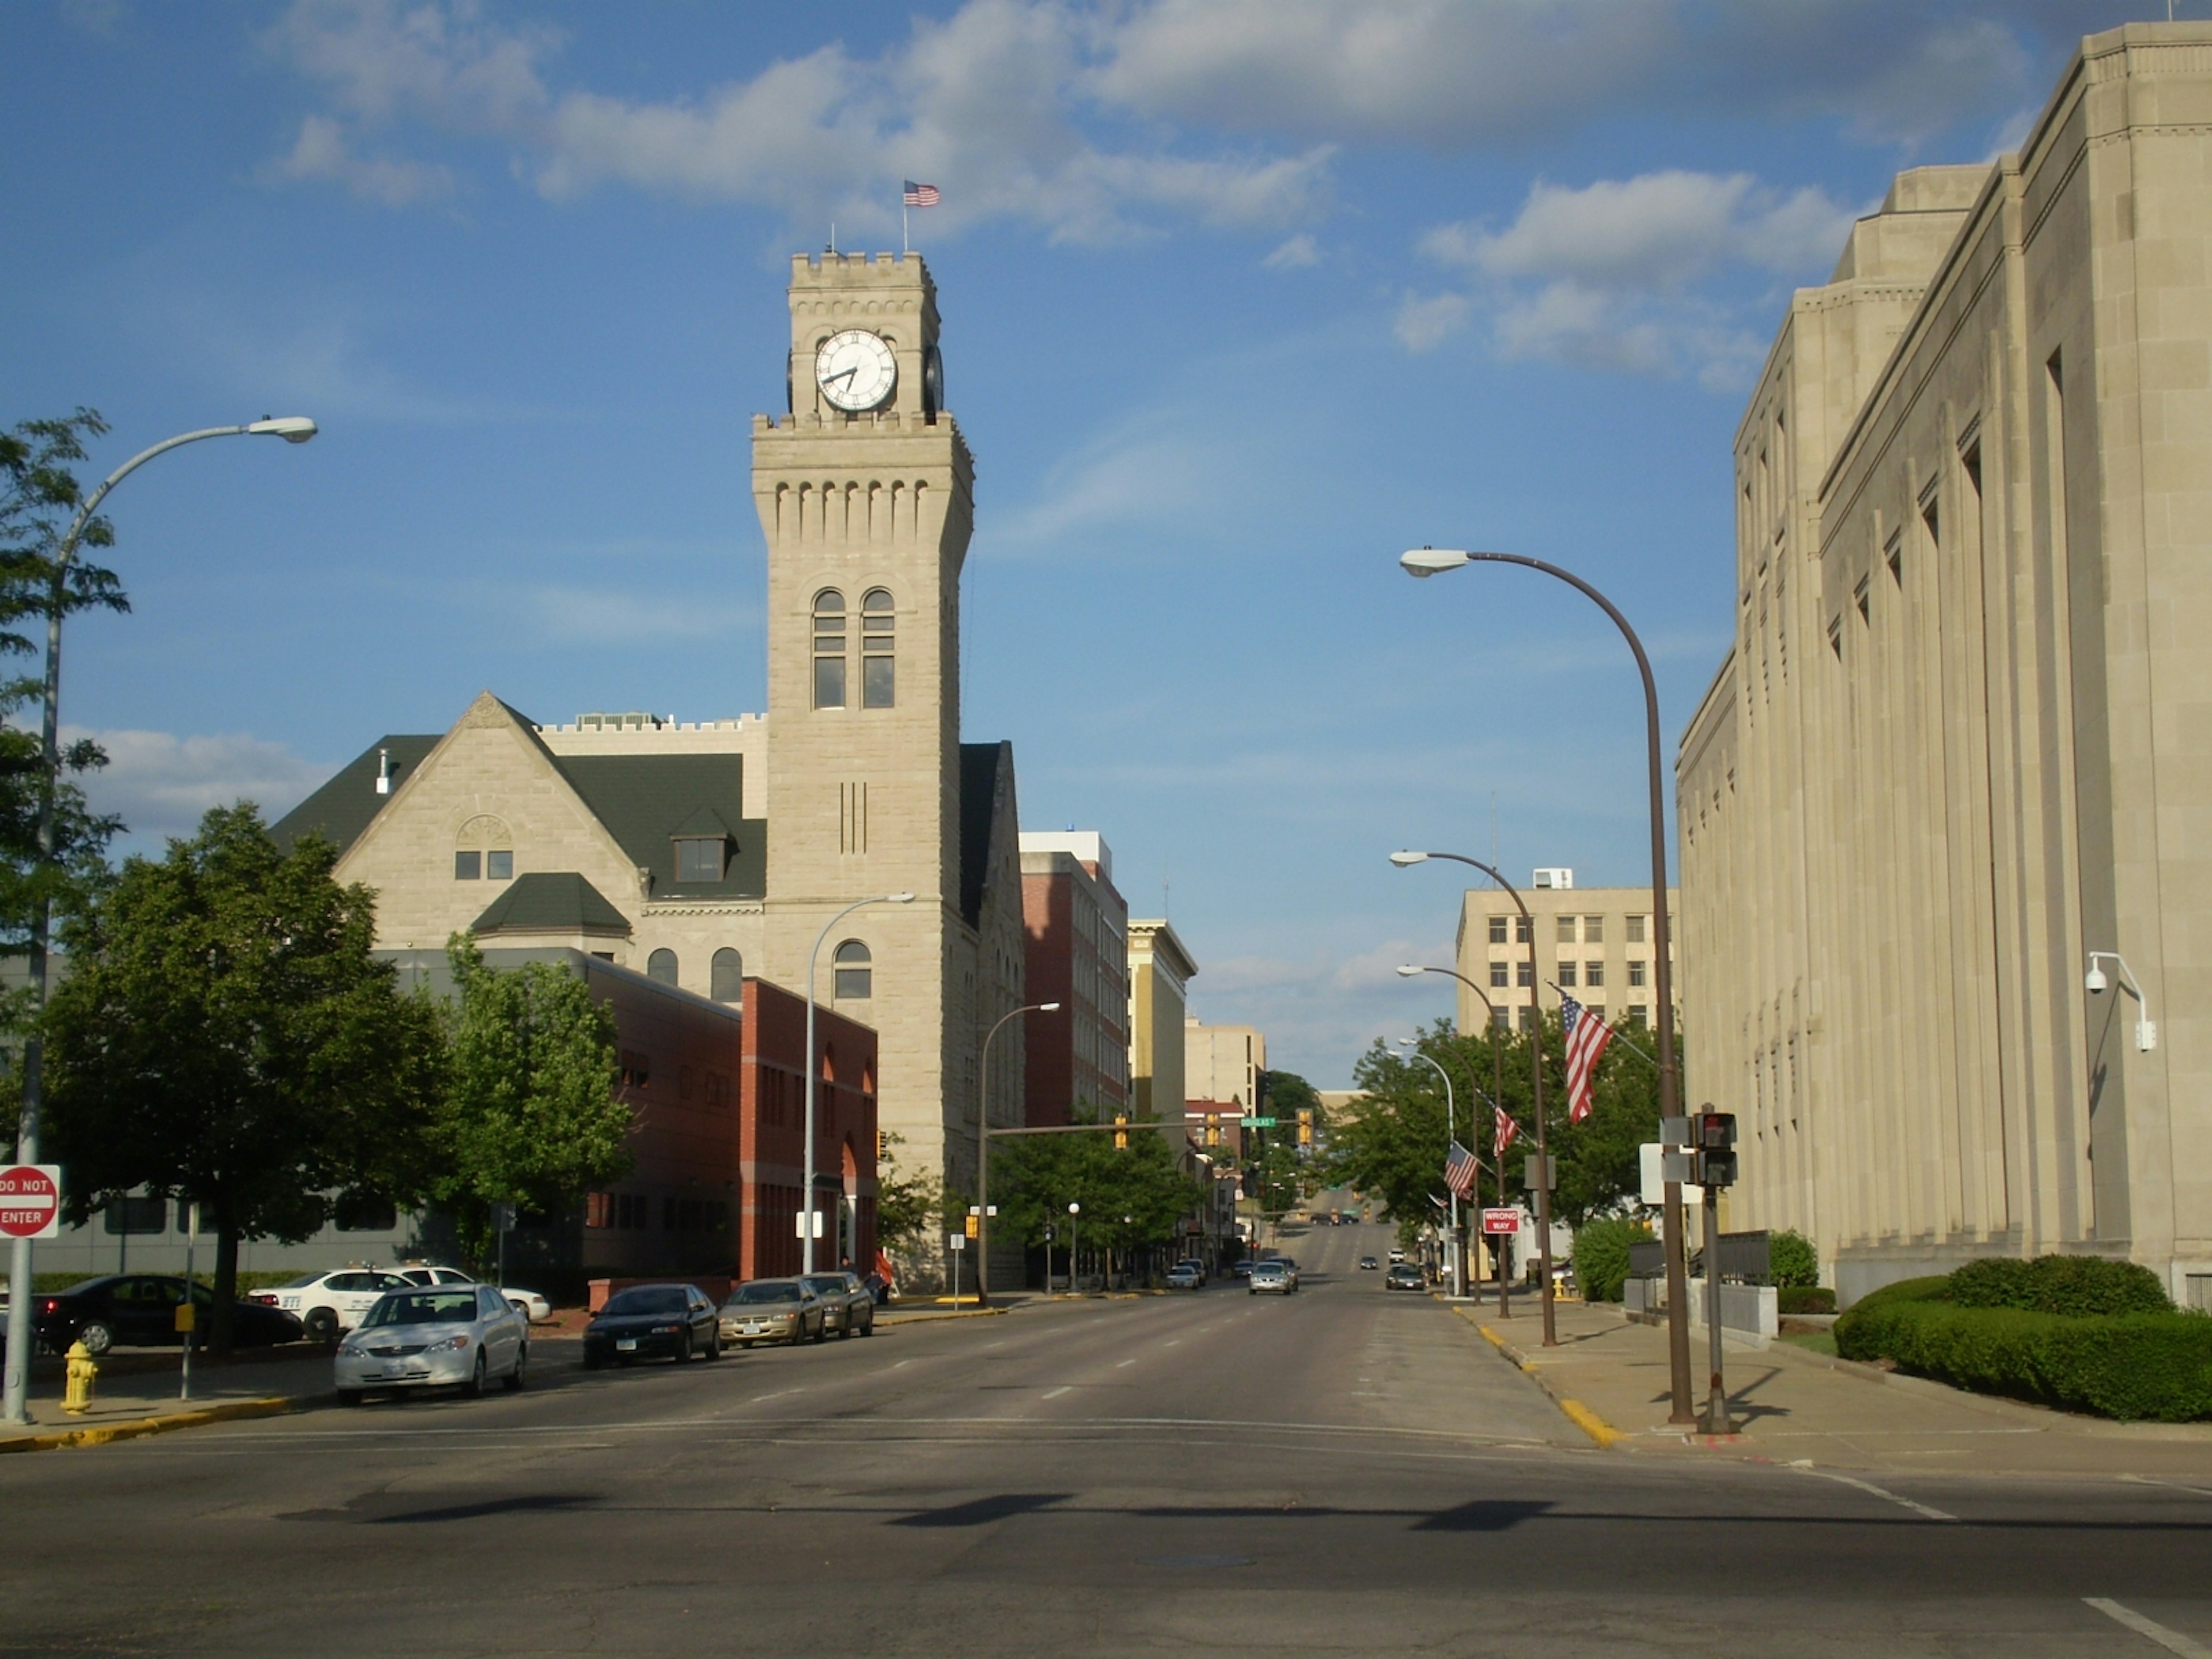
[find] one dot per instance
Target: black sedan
(672, 1322)
(140, 1309)
(1405, 1276)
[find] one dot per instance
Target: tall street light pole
(1429, 562)
(1458, 1237)
(984, 1158)
(1497, 1104)
(806, 1214)
(14, 1390)
(1404, 860)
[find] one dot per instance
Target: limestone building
(1957, 745)
(1160, 971)
(1596, 944)
(704, 854)
(1077, 925)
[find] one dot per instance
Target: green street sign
(1257, 1122)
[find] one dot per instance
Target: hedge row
(2129, 1366)
(2078, 1285)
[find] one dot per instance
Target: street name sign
(30, 1200)
(1501, 1221)
(1257, 1122)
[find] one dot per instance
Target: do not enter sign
(30, 1200)
(1501, 1221)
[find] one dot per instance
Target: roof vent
(1555, 878)
(384, 771)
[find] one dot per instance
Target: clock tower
(865, 492)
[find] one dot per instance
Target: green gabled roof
(551, 902)
(348, 803)
(646, 801)
(705, 824)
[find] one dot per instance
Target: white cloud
(161, 784)
(320, 153)
(1425, 323)
(1295, 254)
(598, 615)
(1620, 275)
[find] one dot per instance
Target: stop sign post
(30, 1200)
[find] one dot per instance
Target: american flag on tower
(921, 195)
(1460, 1167)
(1587, 1035)
(1506, 1131)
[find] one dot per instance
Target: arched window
(661, 966)
(483, 848)
(728, 976)
(855, 977)
(829, 649)
(878, 646)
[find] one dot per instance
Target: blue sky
(1240, 298)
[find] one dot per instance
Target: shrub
(1804, 1299)
(2129, 1366)
(1937, 1289)
(2079, 1287)
(1790, 1263)
(1601, 1255)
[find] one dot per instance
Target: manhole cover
(1196, 1561)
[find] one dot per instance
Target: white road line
(2170, 1485)
(758, 1398)
(2172, 1640)
(1059, 1391)
(1869, 1487)
(903, 1365)
(1178, 1343)
(1125, 1364)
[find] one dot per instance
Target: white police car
(530, 1305)
(328, 1303)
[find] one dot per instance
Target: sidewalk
(135, 1389)
(1610, 1375)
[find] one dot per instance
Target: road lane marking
(1125, 1364)
(1917, 1508)
(2172, 1640)
(759, 1398)
(1178, 1343)
(903, 1365)
(1059, 1391)
(2170, 1485)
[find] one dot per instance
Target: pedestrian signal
(1716, 1148)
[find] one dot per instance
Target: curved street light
(808, 1215)
(1458, 1237)
(15, 1389)
(1409, 970)
(1424, 561)
(983, 1157)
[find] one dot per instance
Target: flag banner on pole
(1587, 1035)
(921, 195)
(1460, 1167)
(1506, 1130)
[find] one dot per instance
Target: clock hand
(846, 375)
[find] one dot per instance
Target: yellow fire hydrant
(77, 1395)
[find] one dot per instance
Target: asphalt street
(1345, 1470)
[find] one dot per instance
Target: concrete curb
(897, 1320)
(139, 1428)
(1573, 1410)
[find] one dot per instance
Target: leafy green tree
(226, 1034)
(532, 1116)
(907, 1205)
(1034, 1178)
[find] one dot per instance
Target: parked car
(1405, 1276)
(1276, 1275)
(773, 1310)
(1240, 1268)
(434, 1336)
(140, 1309)
(1396, 1255)
(847, 1305)
(675, 1321)
(330, 1303)
(1368, 1264)
(1195, 1265)
(530, 1305)
(1185, 1276)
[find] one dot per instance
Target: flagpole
(905, 246)
(1611, 1027)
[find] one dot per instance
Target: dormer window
(700, 858)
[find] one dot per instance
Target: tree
(907, 1206)
(1034, 1178)
(38, 498)
(532, 1116)
(226, 1034)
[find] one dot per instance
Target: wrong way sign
(1501, 1221)
(30, 1200)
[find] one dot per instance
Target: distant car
(330, 1303)
(1240, 1268)
(140, 1309)
(1185, 1276)
(1396, 1255)
(1277, 1276)
(676, 1321)
(1405, 1276)
(433, 1336)
(847, 1305)
(1368, 1264)
(773, 1310)
(1195, 1265)
(530, 1305)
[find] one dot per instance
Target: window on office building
(1639, 1014)
(1566, 930)
(1528, 1018)
(1566, 976)
(1593, 975)
(1497, 930)
(1524, 974)
(1592, 930)
(1501, 1019)
(1498, 970)
(1523, 929)
(1636, 930)
(1636, 973)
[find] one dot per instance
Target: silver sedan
(425, 1337)
(773, 1310)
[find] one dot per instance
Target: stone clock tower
(865, 493)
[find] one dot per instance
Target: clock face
(856, 370)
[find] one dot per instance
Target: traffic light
(975, 1227)
(1714, 1144)
(1213, 1129)
(1120, 1132)
(1305, 1126)
(879, 1146)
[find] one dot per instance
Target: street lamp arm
(814, 1064)
(294, 429)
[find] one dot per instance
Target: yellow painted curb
(139, 1428)
(1590, 1422)
(1575, 1412)
(949, 1313)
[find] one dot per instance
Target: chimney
(384, 771)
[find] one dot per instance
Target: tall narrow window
(878, 643)
(1497, 930)
(727, 977)
(661, 966)
(855, 974)
(829, 649)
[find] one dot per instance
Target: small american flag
(1587, 1035)
(921, 195)
(1505, 1130)
(1460, 1167)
